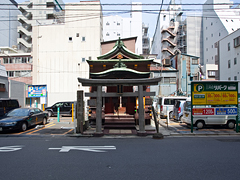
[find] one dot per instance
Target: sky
(150, 17)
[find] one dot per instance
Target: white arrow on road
(84, 148)
(10, 148)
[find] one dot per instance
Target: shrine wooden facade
(124, 76)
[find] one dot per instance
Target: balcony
(22, 30)
(169, 32)
(168, 49)
(169, 41)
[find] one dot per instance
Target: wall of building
(60, 58)
(8, 23)
(117, 26)
(129, 43)
(194, 36)
(218, 22)
(17, 91)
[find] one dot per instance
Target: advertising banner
(37, 91)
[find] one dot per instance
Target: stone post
(141, 112)
(99, 112)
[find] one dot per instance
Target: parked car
(200, 121)
(167, 103)
(65, 108)
(22, 118)
(178, 110)
(7, 105)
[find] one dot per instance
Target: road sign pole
(191, 109)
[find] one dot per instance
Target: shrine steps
(121, 121)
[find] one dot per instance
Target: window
(229, 63)
(90, 57)
(164, 17)
(211, 23)
(235, 77)
(118, 34)
(229, 78)
(83, 59)
(219, 34)
(107, 24)
(107, 34)
(211, 35)
(207, 49)
(206, 38)
(206, 28)
(70, 38)
(236, 41)
(118, 24)
(211, 73)
(228, 46)
(77, 35)
(10, 73)
(83, 38)
(194, 61)
(235, 61)
(5, 60)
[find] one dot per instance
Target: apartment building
(220, 18)
(34, 13)
(164, 41)
(60, 51)
(228, 57)
(8, 23)
(18, 65)
(115, 27)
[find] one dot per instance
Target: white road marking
(84, 148)
(10, 148)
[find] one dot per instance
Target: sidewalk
(172, 129)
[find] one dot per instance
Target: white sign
(10, 148)
(84, 148)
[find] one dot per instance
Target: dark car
(65, 108)
(7, 105)
(22, 118)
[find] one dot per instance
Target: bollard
(167, 116)
(58, 112)
(72, 112)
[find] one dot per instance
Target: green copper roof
(120, 48)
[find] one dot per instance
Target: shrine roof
(116, 60)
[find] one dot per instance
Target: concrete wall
(17, 91)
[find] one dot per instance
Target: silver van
(200, 121)
(167, 104)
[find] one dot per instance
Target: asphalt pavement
(64, 126)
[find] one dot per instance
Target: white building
(228, 50)
(117, 26)
(60, 51)
(8, 23)
(165, 40)
(220, 18)
(37, 12)
(189, 40)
